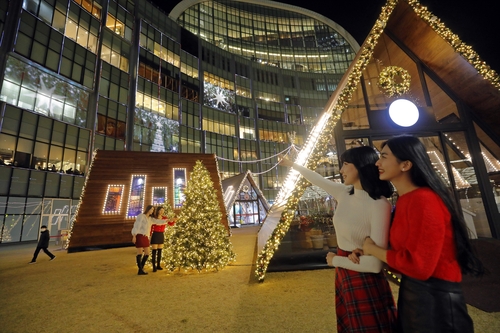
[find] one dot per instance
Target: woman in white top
(363, 298)
(140, 236)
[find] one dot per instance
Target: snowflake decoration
(219, 97)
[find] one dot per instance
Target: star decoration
(219, 97)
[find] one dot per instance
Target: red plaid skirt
(363, 301)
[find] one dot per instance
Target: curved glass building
(273, 34)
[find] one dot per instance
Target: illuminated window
(159, 196)
(115, 25)
(179, 187)
(113, 200)
(136, 196)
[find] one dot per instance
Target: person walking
(429, 242)
(140, 236)
(363, 297)
(43, 244)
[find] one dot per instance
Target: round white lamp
(403, 112)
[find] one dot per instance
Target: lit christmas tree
(168, 211)
(199, 240)
(158, 144)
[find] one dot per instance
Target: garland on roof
(460, 47)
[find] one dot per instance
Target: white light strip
(130, 192)
(106, 200)
(304, 154)
(158, 188)
(459, 179)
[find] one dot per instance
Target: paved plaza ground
(99, 291)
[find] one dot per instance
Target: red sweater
(421, 238)
(159, 227)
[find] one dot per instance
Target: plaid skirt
(363, 301)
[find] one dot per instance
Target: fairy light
(220, 184)
(303, 156)
(176, 182)
(460, 181)
(80, 201)
(393, 275)
(153, 194)
(458, 45)
(199, 241)
(388, 83)
(490, 165)
(114, 189)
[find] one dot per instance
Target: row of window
(35, 183)
(155, 76)
(160, 45)
(20, 217)
(36, 142)
(155, 104)
(30, 88)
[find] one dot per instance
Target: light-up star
(43, 96)
(219, 97)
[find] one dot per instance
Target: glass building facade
(228, 78)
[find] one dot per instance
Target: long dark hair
(364, 159)
(148, 207)
(409, 148)
(157, 212)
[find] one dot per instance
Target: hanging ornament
(394, 81)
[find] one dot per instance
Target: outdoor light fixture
(403, 112)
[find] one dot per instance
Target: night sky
(475, 22)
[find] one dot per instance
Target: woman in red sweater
(157, 238)
(429, 242)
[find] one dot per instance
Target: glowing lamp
(403, 112)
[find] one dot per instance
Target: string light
(114, 189)
(140, 179)
(388, 83)
(460, 181)
(153, 197)
(198, 241)
(458, 45)
(80, 201)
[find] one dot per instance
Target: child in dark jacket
(43, 244)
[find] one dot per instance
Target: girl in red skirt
(363, 298)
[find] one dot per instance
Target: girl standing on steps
(429, 242)
(140, 236)
(363, 298)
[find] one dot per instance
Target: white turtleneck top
(356, 217)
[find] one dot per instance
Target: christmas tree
(168, 211)
(199, 240)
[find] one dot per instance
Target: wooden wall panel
(93, 229)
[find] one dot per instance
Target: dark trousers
(47, 252)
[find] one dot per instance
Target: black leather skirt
(432, 306)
